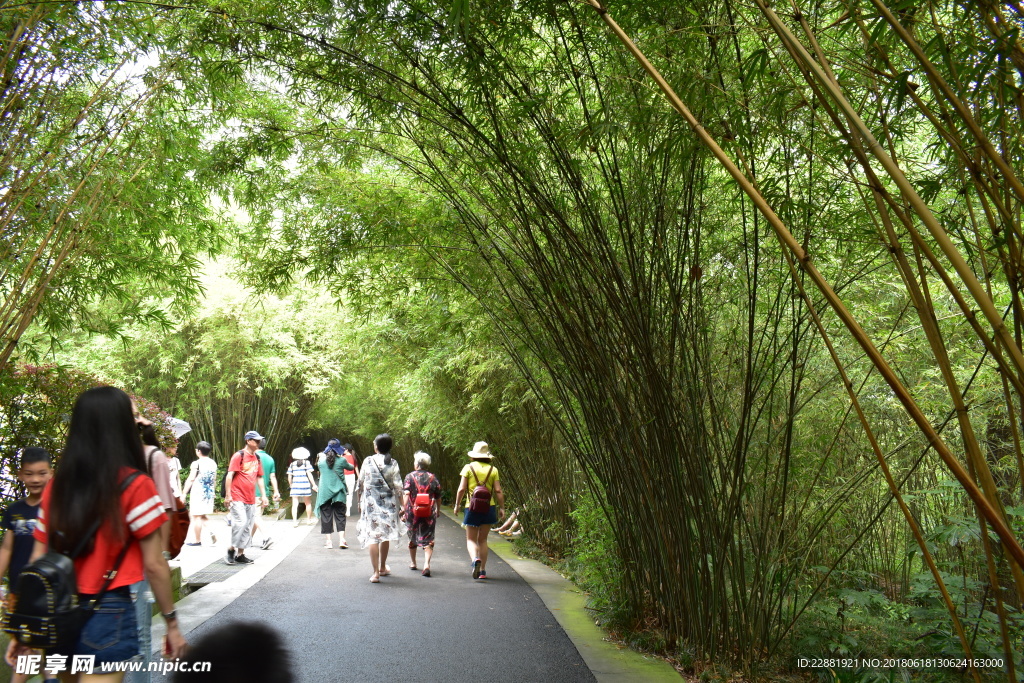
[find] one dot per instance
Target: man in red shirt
(244, 473)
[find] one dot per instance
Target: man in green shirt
(269, 480)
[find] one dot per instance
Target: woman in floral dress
(202, 479)
(381, 484)
(421, 529)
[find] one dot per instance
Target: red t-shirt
(351, 461)
(247, 468)
(144, 514)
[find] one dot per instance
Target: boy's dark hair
(34, 454)
(204, 447)
(239, 652)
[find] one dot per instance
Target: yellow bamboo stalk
(789, 241)
(880, 193)
(883, 464)
(906, 188)
(962, 110)
(922, 302)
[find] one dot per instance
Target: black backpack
(43, 609)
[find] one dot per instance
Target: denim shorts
(480, 518)
(110, 632)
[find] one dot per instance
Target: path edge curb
(608, 661)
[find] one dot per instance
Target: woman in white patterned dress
(381, 484)
(202, 480)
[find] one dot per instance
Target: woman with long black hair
(381, 484)
(103, 449)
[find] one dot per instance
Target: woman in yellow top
(477, 521)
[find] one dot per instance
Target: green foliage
(103, 216)
(537, 249)
(593, 564)
(527, 246)
(35, 410)
(240, 363)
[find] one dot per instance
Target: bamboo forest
(733, 287)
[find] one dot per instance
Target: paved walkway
(340, 627)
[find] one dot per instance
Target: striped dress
(299, 472)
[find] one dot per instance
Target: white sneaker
(267, 542)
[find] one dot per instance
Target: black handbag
(44, 610)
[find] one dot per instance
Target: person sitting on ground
(380, 483)
(300, 483)
(19, 522)
(478, 523)
(512, 526)
(509, 521)
(237, 652)
(514, 530)
(421, 527)
(332, 500)
(200, 487)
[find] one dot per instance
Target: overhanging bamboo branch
(790, 242)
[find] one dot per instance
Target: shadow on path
(340, 627)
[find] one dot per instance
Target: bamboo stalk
(920, 296)
(962, 110)
(787, 239)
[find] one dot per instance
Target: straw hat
(300, 453)
(481, 450)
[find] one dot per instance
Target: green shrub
(595, 563)
(35, 410)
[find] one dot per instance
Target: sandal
(413, 567)
(386, 571)
(375, 578)
(426, 572)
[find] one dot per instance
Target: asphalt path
(340, 627)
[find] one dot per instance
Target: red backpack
(480, 498)
(423, 503)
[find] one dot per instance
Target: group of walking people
(104, 508)
(391, 507)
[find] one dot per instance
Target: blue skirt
(481, 518)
